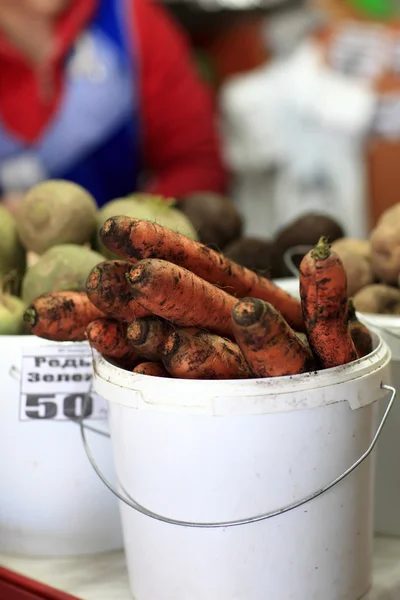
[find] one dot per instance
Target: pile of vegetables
(267, 256)
(55, 234)
(53, 243)
(170, 306)
(373, 266)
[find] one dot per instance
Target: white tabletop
(104, 577)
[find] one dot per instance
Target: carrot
(109, 338)
(149, 336)
(195, 354)
(151, 368)
(178, 295)
(61, 316)
(135, 240)
(270, 347)
(323, 290)
(360, 333)
(108, 289)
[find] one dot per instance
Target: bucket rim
(379, 320)
(262, 395)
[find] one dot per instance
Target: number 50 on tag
(62, 406)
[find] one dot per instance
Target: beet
(254, 253)
(215, 218)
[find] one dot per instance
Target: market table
(104, 577)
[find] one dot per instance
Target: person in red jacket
(103, 93)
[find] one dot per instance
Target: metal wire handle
(132, 503)
(290, 253)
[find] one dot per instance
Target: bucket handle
(290, 253)
(129, 501)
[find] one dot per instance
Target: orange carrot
(323, 290)
(108, 289)
(360, 333)
(135, 239)
(109, 338)
(178, 295)
(151, 368)
(269, 345)
(61, 316)
(194, 354)
(149, 336)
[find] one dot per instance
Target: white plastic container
(387, 504)
(387, 510)
(51, 501)
(218, 451)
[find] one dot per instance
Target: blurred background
(308, 95)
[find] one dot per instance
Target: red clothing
(179, 141)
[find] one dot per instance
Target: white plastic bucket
(51, 501)
(387, 504)
(387, 509)
(202, 452)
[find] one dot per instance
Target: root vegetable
(62, 268)
(148, 336)
(61, 316)
(11, 315)
(304, 231)
(109, 338)
(148, 207)
(378, 299)
(385, 240)
(359, 332)
(323, 290)
(12, 254)
(56, 212)
(270, 347)
(151, 368)
(253, 253)
(215, 218)
(134, 240)
(181, 297)
(195, 354)
(108, 289)
(356, 258)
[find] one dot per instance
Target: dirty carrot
(178, 295)
(108, 337)
(108, 289)
(61, 316)
(360, 334)
(135, 240)
(269, 345)
(191, 353)
(148, 336)
(323, 290)
(151, 368)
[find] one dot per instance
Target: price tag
(56, 384)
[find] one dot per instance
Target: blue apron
(93, 138)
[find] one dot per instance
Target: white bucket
(387, 508)
(202, 452)
(387, 504)
(51, 501)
